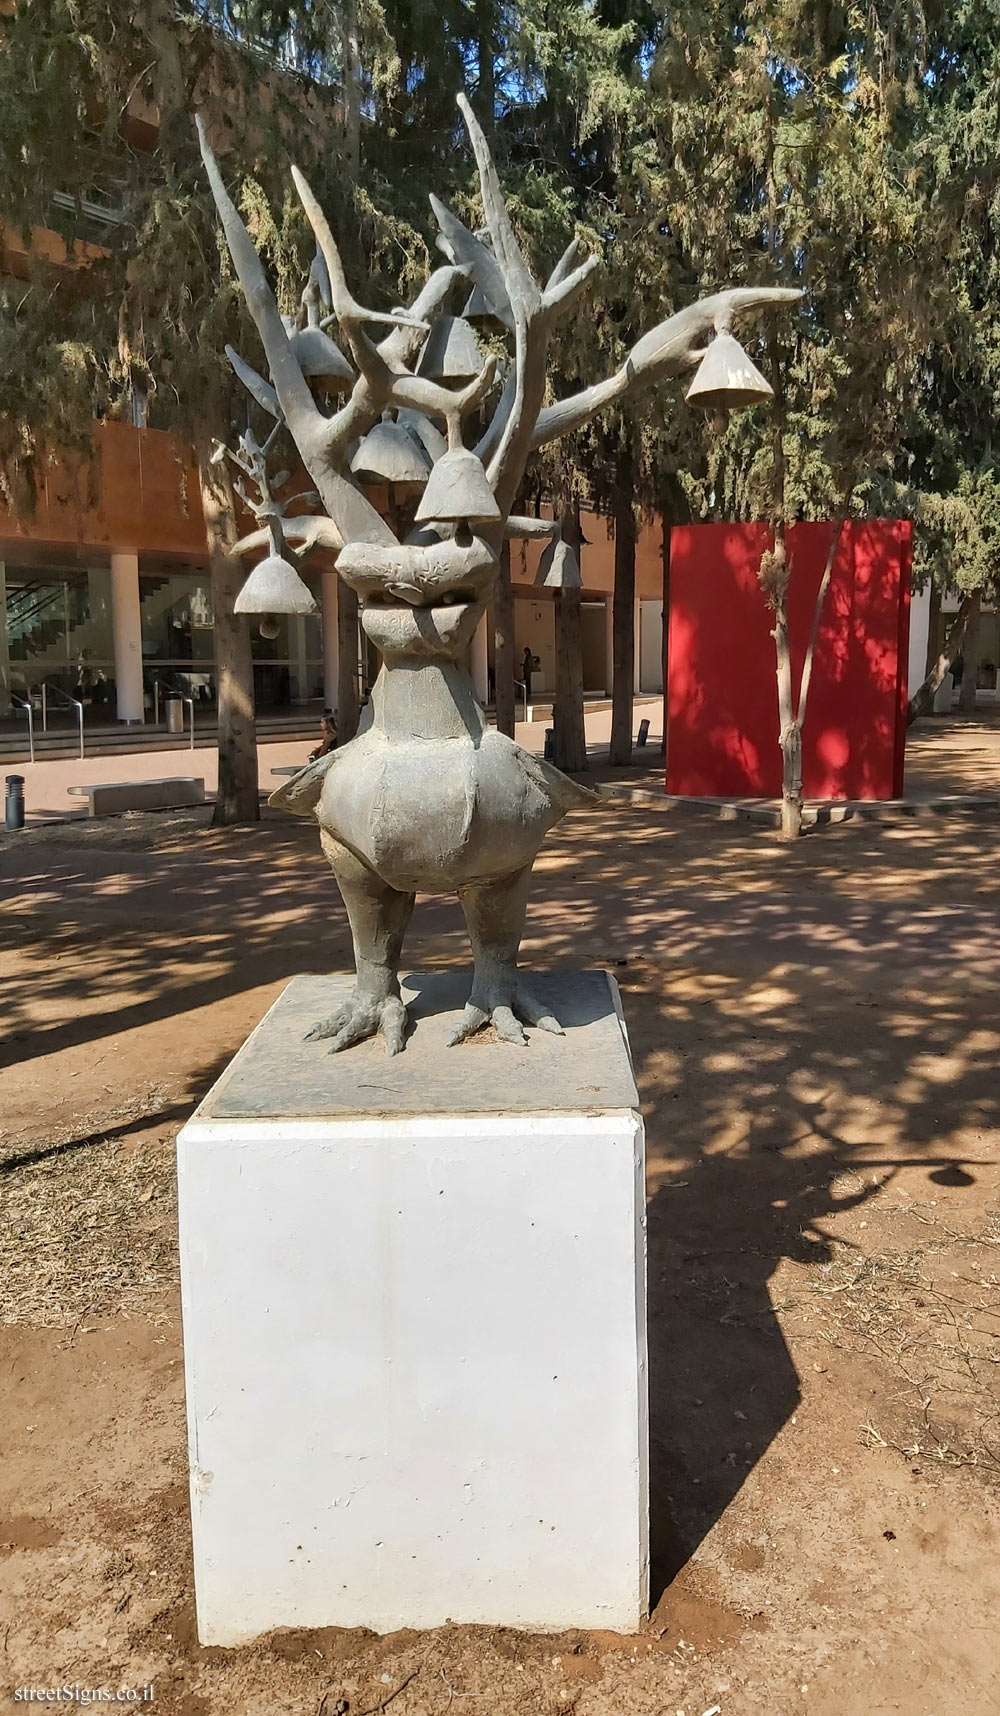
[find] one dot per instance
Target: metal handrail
(521, 686)
(25, 704)
(172, 691)
(73, 701)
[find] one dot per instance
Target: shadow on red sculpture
(722, 700)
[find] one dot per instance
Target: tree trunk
(237, 798)
(352, 89)
(623, 618)
(347, 663)
(791, 782)
(970, 656)
(503, 646)
(569, 729)
(922, 701)
(665, 634)
(789, 728)
(486, 93)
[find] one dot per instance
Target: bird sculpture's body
(426, 797)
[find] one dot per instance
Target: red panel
(722, 694)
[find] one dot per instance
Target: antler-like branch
(302, 533)
(465, 250)
(349, 313)
(297, 403)
(673, 346)
(353, 515)
(399, 351)
(530, 326)
(256, 386)
(385, 377)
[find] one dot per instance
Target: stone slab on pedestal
(414, 1324)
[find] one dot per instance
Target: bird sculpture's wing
(558, 788)
(301, 793)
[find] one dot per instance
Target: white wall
(920, 615)
(649, 647)
(534, 629)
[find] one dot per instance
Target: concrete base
(414, 1325)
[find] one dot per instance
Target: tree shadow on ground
(801, 1020)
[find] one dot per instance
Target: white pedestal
(414, 1324)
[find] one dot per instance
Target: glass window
(60, 629)
(176, 618)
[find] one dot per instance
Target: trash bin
(549, 751)
(173, 713)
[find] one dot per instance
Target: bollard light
(15, 803)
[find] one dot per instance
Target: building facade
(107, 597)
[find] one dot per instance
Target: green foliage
(850, 151)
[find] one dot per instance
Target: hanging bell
(274, 587)
(726, 378)
(478, 309)
(559, 567)
(390, 454)
(322, 362)
(430, 437)
(451, 352)
(458, 489)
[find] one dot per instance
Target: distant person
(327, 736)
(527, 667)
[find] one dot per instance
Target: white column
(480, 661)
(609, 645)
(331, 672)
(127, 625)
(297, 658)
(920, 621)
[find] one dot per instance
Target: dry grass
(87, 1226)
(931, 1312)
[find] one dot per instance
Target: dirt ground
(816, 1036)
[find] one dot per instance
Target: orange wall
(42, 243)
(142, 495)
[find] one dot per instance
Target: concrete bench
(108, 798)
(289, 769)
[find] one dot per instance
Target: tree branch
(810, 655)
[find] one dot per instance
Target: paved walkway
(944, 755)
(46, 784)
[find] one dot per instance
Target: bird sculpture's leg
(494, 913)
(379, 916)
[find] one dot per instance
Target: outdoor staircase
(539, 710)
(107, 739)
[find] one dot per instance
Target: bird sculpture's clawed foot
(360, 1017)
(504, 1003)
